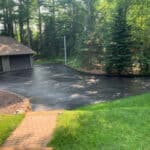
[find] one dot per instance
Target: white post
(65, 50)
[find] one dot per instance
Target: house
(13, 55)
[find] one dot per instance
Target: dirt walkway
(35, 130)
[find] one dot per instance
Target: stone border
(25, 105)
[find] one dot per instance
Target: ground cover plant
(7, 124)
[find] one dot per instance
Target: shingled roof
(9, 46)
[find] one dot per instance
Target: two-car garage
(20, 62)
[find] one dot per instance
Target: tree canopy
(113, 33)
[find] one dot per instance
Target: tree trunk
(21, 24)
(28, 25)
(40, 30)
(28, 31)
(21, 31)
(5, 21)
(10, 23)
(54, 29)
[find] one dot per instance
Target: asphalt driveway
(58, 87)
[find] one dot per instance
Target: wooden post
(65, 50)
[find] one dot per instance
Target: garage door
(20, 62)
(1, 68)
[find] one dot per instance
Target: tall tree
(21, 19)
(7, 15)
(40, 25)
(119, 51)
(27, 4)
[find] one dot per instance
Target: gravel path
(35, 130)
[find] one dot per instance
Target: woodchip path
(34, 132)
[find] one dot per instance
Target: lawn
(42, 61)
(7, 124)
(119, 125)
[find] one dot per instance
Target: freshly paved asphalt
(58, 87)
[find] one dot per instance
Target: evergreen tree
(119, 50)
(48, 47)
(7, 16)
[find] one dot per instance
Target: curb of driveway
(105, 74)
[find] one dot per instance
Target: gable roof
(9, 46)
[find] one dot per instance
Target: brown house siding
(5, 63)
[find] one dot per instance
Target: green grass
(119, 125)
(7, 124)
(73, 62)
(48, 61)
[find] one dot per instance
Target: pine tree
(119, 50)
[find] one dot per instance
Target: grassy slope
(120, 125)
(7, 124)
